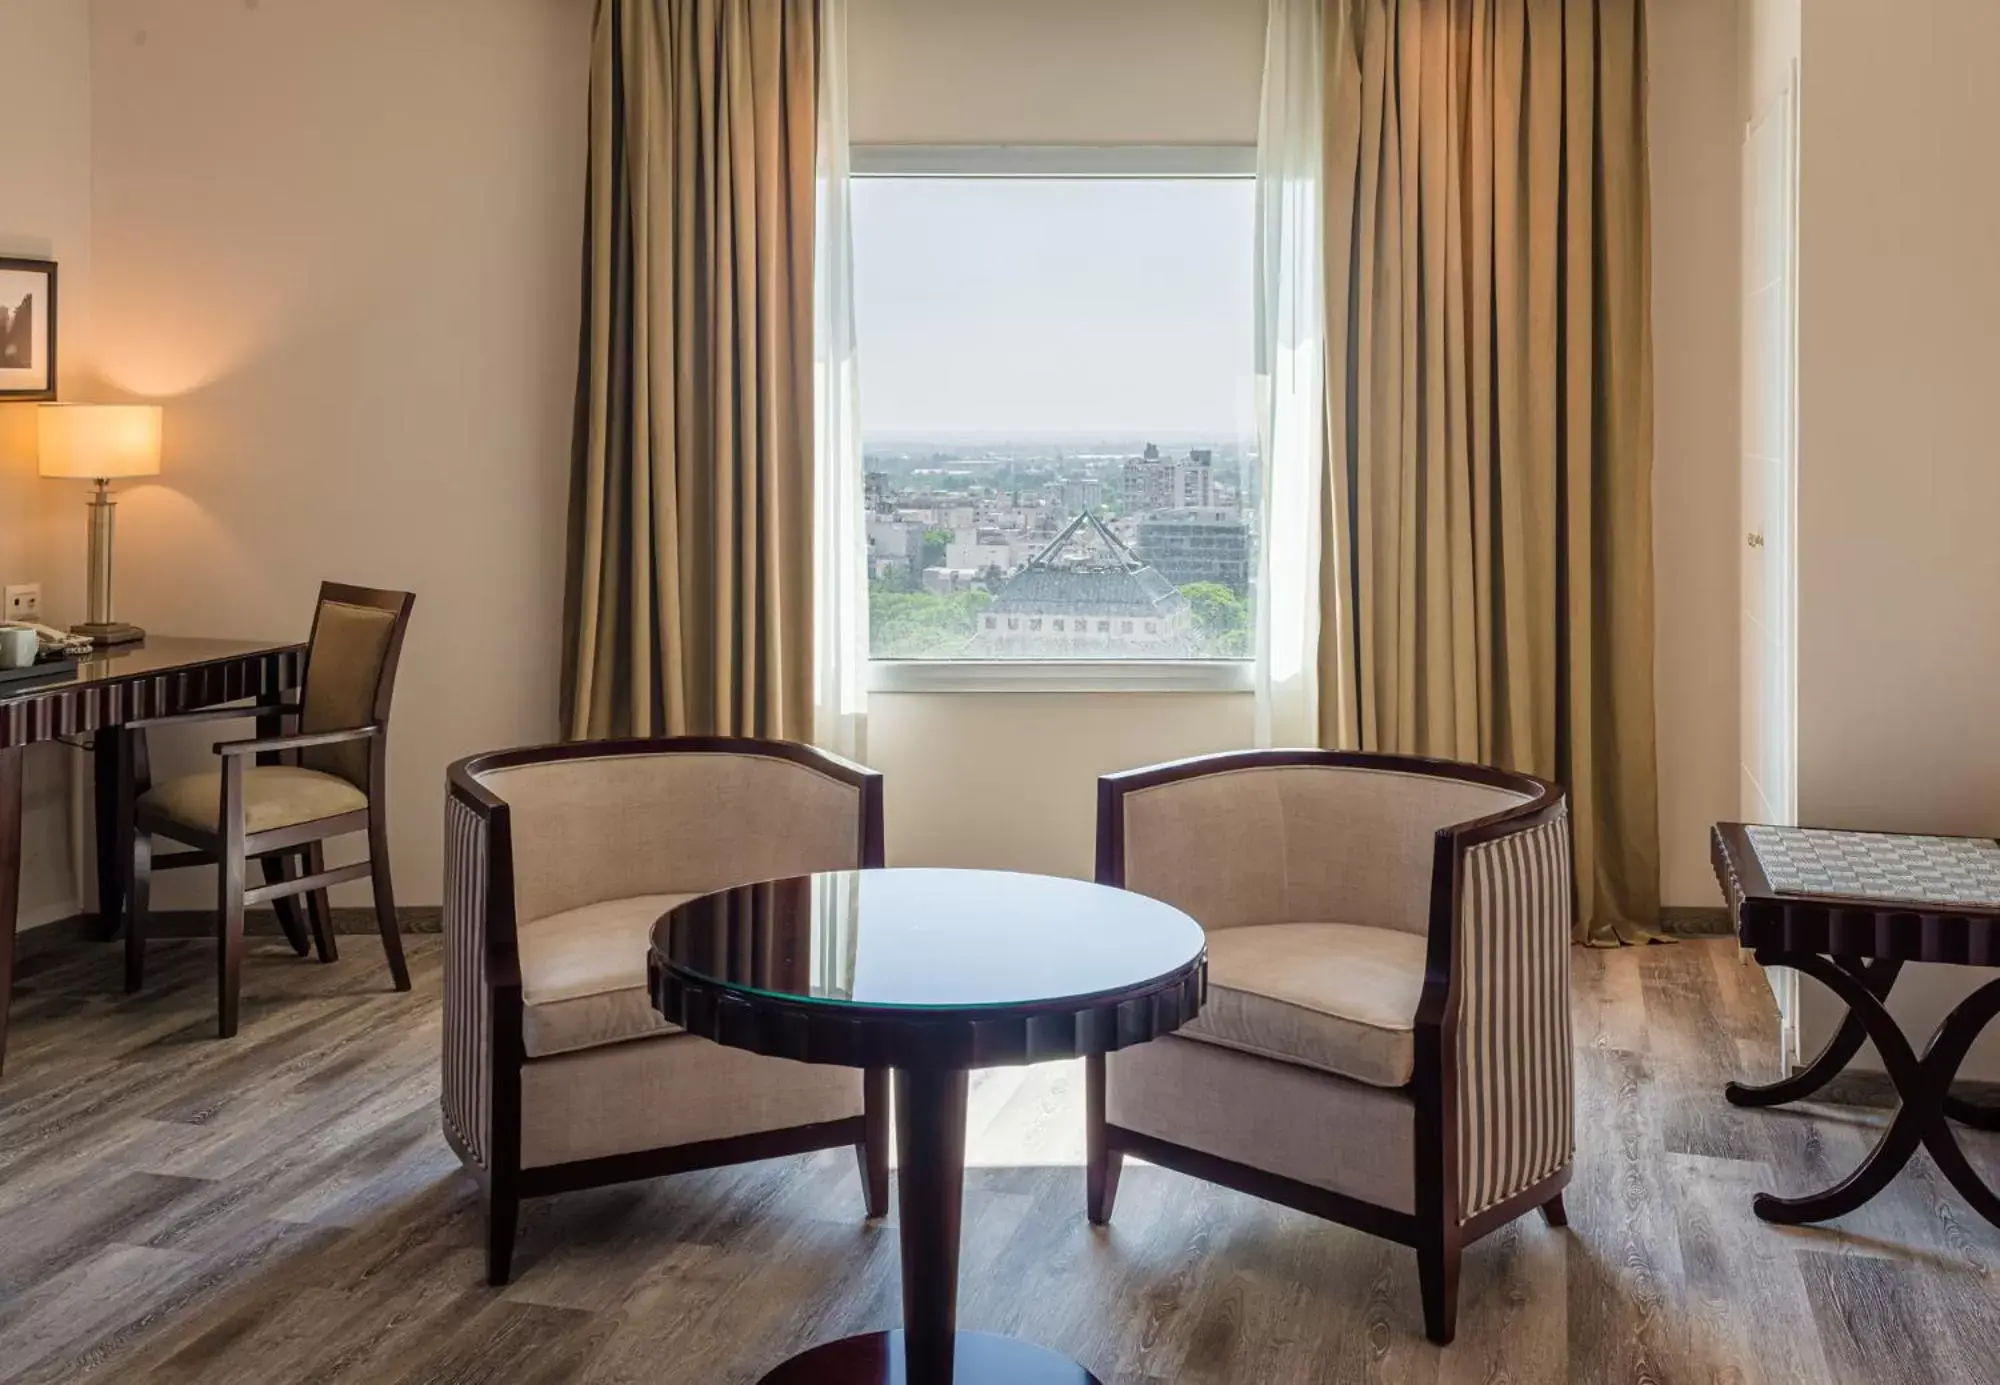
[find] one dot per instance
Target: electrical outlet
(24, 602)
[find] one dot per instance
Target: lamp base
(114, 633)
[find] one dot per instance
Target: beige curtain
(1488, 588)
(690, 603)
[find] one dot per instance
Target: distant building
(949, 581)
(1153, 482)
(1198, 545)
(1085, 596)
(979, 549)
(1080, 493)
(895, 547)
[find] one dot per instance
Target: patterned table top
(1961, 872)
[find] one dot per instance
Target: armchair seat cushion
(274, 796)
(1332, 996)
(583, 975)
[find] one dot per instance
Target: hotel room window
(1056, 405)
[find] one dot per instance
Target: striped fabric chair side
(467, 1090)
(1516, 1094)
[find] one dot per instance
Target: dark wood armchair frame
(1434, 1230)
(482, 851)
(292, 858)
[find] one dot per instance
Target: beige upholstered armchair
(1386, 1040)
(558, 1072)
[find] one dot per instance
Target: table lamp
(101, 442)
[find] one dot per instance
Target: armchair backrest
(357, 642)
(591, 822)
(1293, 836)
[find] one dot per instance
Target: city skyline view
(1055, 388)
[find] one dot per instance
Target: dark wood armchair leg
(503, 1214)
(138, 892)
(319, 907)
(1554, 1213)
(1437, 1282)
(276, 869)
(385, 892)
(1102, 1163)
(873, 1151)
(229, 900)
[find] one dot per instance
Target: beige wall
(1697, 197)
(1009, 781)
(1899, 573)
(341, 243)
(45, 213)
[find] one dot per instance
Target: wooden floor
(282, 1208)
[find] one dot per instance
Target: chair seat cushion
(583, 975)
(273, 796)
(1331, 996)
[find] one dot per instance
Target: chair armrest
(1512, 1049)
(270, 744)
(482, 979)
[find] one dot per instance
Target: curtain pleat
(1489, 408)
(690, 598)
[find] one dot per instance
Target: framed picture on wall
(27, 329)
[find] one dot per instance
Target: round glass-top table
(931, 973)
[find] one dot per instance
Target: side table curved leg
(1971, 1114)
(1905, 1132)
(1947, 1050)
(1878, 978)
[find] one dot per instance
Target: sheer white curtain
(840, 545)
(1291, 374)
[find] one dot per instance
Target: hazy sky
(1092, 307)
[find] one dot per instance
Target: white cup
(18, 646)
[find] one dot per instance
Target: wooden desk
(1856, 947)
(160, 677)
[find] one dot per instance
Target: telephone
(53, 642)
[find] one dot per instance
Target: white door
(1769, 780)
(1768, 621)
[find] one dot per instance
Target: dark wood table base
(1923, 1084)
(877, 1358)
(929, 1349)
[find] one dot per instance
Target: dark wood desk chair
(277, 797)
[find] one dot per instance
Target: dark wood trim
(860, 1036)
(702, 1154)
(1885, 930)
(872, 1152)
(1436, 1228)
(1386, 1222)
(304, 740)
(306, 884)
(87, 705)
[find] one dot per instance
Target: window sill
(1065, 676)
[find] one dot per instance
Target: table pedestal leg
(1923, 1084)
(929, 1349)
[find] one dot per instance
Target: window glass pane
(1056, 393)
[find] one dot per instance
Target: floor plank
(282, 1208)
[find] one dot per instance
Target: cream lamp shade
(100, 442)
